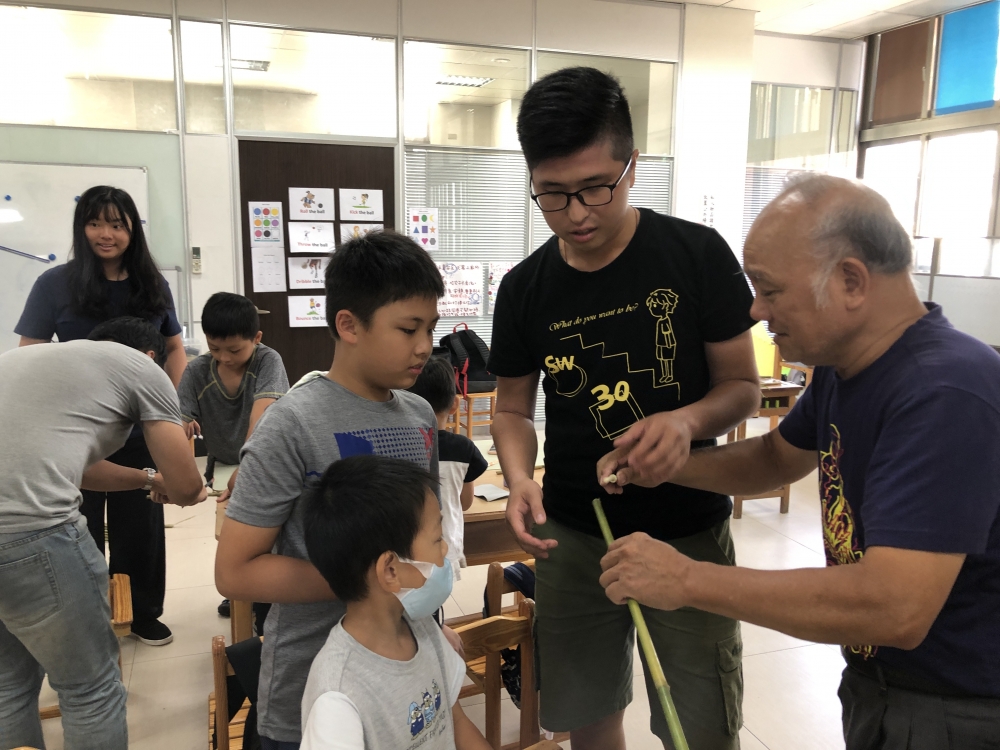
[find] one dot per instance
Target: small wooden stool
(120, 596)
(470, 417)
(777, 399)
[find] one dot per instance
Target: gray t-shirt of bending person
(64, 407)
(225, 419)
(295, 441)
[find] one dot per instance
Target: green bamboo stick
(649, 650)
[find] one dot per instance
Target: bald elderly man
(903, 418)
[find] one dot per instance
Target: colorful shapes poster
(310, 237)
(360, 204)
(463, 290)
(350, 230)
(310, 203)
(265, 224)
(306, 311)
(422, 226)
(307, 273)
(498, 269)
(268, 269)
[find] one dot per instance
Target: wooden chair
(218, 703)
(120, 596)
(486, 638)
(471, 417)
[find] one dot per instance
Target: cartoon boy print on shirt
(661, 304)
(421, 714)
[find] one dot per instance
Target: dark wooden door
(267, 170)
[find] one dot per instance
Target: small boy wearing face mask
(387, 677)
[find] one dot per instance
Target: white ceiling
(846, 19)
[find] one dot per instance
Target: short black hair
(375, 270)
(227, 314)
(436, 384)
(132, 332)
(571, 109)
(364, 507)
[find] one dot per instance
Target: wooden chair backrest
(486, 638)
(497, 586)
(220, 670)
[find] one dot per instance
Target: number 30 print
(606, 399)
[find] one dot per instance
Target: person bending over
(63, 409)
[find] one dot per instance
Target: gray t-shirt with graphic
(354, 696)
(64, 407)
(295, 441)
(225, 419)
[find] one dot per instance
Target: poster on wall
(360, 204)
(349, 230)
(497, 269)
(305, 311)
(421, 224)
(310, 237)
(463, 290)
(268, 269)
(265, 224)
(307, 273)
(310, 203)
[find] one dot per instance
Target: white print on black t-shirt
(615, 408)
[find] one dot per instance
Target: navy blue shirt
(909, 457)
(49, 310)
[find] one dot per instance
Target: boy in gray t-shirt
(381, 303)
(386, 679)
(224, 393)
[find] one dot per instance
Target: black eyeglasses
(597, 195)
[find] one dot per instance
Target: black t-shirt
(909, 457)
(617, 345)
(49, 310)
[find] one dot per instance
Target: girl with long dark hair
(111, 273)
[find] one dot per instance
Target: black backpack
(468, 354)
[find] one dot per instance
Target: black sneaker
(224, 608)
(152, 633)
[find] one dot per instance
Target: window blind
(761, 187)
(481, 198)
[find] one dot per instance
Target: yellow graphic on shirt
(839, 530)
(662, 304)
(570, 378)
(615, 408)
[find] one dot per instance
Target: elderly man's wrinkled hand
(649, 453)
(649, 571)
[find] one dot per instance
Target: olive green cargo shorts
(585, 645)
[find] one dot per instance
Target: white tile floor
(790, 700)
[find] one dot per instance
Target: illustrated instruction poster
(310, 237)
(350, 230)
(306, 311)
(498, 269)
(422, 226)
(307, 273)
(265, 224)
(268, 269)
(310, 203)
(463, 290)
(360, 204)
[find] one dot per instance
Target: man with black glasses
(640, 324)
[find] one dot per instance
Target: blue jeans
(55, 619)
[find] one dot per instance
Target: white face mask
(429, 598)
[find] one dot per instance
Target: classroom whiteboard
(45, 197)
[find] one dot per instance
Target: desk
(776, 399)
(487, 536)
